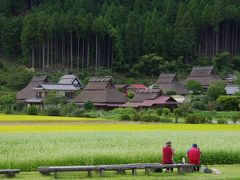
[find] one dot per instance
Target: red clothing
(194, 155)
(167, 157)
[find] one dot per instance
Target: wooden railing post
(134, 171)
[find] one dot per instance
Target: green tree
(184, 32)
(222, 61)
(53, 99)
(215, 90)
(131, 40)
(228, 103)
(194, 87)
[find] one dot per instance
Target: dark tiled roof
(160, 101)
(56, 87)
(70, 79)
(28, 92)
(169, 82)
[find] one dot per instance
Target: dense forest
(120, 34)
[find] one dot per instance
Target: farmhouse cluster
(104, 94)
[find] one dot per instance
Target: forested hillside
(120, 34)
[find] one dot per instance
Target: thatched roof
(142, 95)
(204, 75)
(100, 90)
(169, 82)
(203, 71)
(28, 91)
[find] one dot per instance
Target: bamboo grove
(84, 34)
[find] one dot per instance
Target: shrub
(32, 110)
(151, 118)
(212, 105)
(214, 91)
(186, 108)
(228, 103)
(68, 109)
(195, 119)
(136, 117)
(209, 119)
(1, 65)
(166, 111)
(194, 87)
(178, 112)
(88, 105)
(221, 121)
(235, 118)
(8, 111)
(78, 112)
(125, 117)
(198, 105)
(53, 99)
(131, 95)
(123, 111)
(52, 111)
(176, 118)
(171, 92)
(160, 111)
(167, 120)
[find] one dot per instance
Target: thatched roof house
(28, 92)
(204, 75)
(136, 87)
(71, 80)
(169, 82)
(142, 95)
(101, 91)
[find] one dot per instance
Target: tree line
(81, 34)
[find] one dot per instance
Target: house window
(39, 94)
(69, 94)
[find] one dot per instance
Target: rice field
(30, 118)
(27, 146)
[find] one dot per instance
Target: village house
(232, 89)
(28, 92)
(71, 80)
(136, 87)
(38, 89)
(169, 82)
(204, 75)
(102, 93)
(150, 98)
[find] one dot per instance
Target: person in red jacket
(194, 156)
(167, 154)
